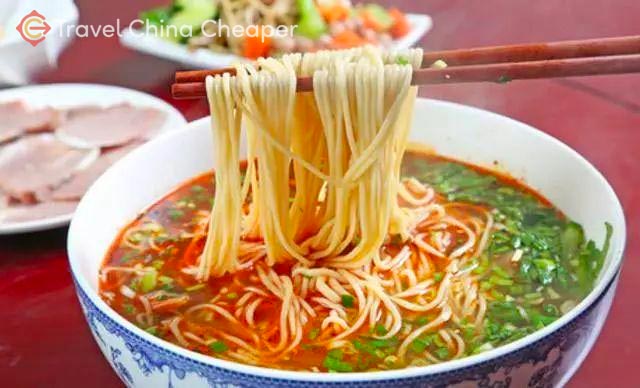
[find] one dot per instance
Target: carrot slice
(347, 39)
(256, 44)
(401, 26)
(334, 13)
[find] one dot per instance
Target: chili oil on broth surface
(535, 265)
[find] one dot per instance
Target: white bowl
(546, 357)
(64, 96)
(153, 45)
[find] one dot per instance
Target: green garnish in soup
(490, 262)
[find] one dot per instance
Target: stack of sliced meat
(50, 157)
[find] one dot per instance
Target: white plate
(152, 45)
(70, 95)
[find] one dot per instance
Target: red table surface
(44, 340)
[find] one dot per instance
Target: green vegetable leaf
(149, 281)
(401, 60)
(311, 24)
(380, 330)
(442, 353)
(218, 347)
(157, 16)
(175, 214)
(334, 363)
(347, 300)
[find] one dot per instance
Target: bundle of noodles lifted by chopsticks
(345, 159)
(301, 25)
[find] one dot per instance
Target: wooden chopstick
(489, 64)
(622, 45)
(497, 72)
(495, 54)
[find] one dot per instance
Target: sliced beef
(110, 127)
(75, 112)
(34, 165)
(23, 213)
(16, 119)
(75, 187)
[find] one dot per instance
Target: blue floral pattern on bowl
(543, 363)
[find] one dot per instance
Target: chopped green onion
(127, 257)
(232, 295)
(483, 348)
(129, 308)
(153, 330)
(391, 360)
(149, 281)
(438, 276)
(517, 289)
(197, 189)
(313, 334)
(497, 294)
(421, 321)
(498, 281)
(552, 293)
(501, 272)
(347, 300)
(551, 310)
(532, 296)
(380, 329)
(442, 353)
(218, 347)
(401, 60)
(334, 363)
(134, 284)
(419, 345)
(383, 343)
(175, 214)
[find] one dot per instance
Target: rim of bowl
(405, 373)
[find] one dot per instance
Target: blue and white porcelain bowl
(548, 357)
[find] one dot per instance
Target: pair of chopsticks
(488, 64)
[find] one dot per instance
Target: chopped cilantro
(175, 214)
(334, 362)
(129, 308)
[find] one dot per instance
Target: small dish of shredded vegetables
(301, 25)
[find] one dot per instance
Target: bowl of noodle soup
(191, 322)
